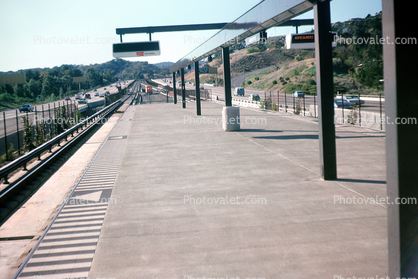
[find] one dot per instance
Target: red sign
(139, 53)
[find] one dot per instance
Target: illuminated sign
(136, 49)
(303, 41)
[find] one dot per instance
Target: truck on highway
(148, 89)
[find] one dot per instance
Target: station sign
(208, 70)
(79, 79)
(136, 49)
(304, 41)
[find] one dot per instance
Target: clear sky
(48, 33)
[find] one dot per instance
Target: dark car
(28, 108)
(338, 103)
(67, 98)
(354, 99)
(254, 97)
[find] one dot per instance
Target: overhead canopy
(169, 28)
(266, 14)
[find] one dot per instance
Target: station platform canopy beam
(199, 27)
(266, 14)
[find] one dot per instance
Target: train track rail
(12, 196)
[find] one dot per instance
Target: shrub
(299, 58)
(298, 107)
(249, 82)
(274, 82)
(311, 82)
(252, 50)
(7, 97)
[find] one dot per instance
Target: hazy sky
(48, 33)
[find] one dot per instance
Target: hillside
(358, 67)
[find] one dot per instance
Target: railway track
(67, 245)
(17, 192)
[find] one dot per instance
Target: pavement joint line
(284, 157)
(355, 192)
(290, 160)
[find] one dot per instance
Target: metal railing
(47, 146)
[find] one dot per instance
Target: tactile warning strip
(68, 248)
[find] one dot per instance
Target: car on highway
(101, 94)
(107, 93)
(239, 91)
(298, 94)
(76, 96)
(354, 99)
(67, 98)
(338, 103)
(254, 97)
(96, 94)
(87, 96)
(27, 108)
(82, 101)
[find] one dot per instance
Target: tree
(93, 78)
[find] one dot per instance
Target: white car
(82, 101)
(298, 94)
(239, 91)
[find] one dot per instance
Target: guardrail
(22, 161)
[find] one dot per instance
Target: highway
(42, 110)
(371, 104)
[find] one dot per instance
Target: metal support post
(325, 87)
(227, 76)
(285, 102)
(380, 110)
(174, 88)
(401, 138)
(183, 88)
(18, 134)
(5, 136)
(197, 82)
(359, 109)
(342, 105)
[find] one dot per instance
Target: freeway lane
(11, 114)
(371, 104)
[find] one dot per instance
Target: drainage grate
(118, 137)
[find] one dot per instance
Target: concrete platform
(193, 201)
